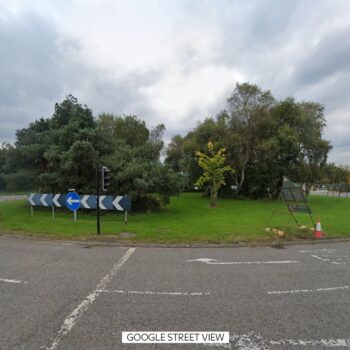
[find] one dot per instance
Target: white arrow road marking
(317, 251)
(216, 262)
(12, 281)
(75, 315)
(255, 341)
(101, 200)
(329, 289)
(116, 203)
(30, 198)
(70, 200)
(42, 200)
(84, 203)
(55, 200)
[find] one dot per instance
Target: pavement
(57, 295)
(12, 197)
(331, 194)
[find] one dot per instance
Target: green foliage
(264, 140)
(2, 183)
(19, 181)
(63, 151)
(213, 171)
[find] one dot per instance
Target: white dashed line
(12, 281)
(296, 291)
(75, 315)
(155, 293)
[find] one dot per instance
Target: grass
(188, 219)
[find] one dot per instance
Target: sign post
(98, 198)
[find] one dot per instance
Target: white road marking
(319, 258)
(328, 258)
(322, 342)
(56, 243)
(75, 315)
(307, 290)
(255, 341)
(216, 262)
(12, 281)
(317, 251)
(155, 293)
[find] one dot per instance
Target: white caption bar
(175, 337)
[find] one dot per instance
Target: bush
(2, 183)
(149, 202)
(21, 181)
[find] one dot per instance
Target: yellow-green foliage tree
(213, 171)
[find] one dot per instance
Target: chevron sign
(44, 200)
(120, 203)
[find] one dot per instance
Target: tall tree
(247, 107)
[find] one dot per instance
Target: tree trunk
(213, 198)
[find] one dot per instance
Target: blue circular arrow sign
(73, 201)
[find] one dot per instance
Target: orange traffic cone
(318, 232)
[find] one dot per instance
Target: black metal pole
(98, 198)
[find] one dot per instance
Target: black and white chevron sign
(120, 203)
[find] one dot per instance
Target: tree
(247, 107)
(213, 171)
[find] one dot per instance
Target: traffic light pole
(98, 198)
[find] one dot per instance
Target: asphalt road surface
(12, 197)
(63, 296)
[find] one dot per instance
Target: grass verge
(188, 219)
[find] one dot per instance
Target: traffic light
(106, 178)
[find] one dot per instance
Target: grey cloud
(329, 57)
(38, 66)
(29, 77)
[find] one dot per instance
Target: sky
(173, 62)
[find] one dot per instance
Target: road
(65, 296)
(331, 194)
(12, 197)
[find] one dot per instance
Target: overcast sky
(173, 62)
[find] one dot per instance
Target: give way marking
(255, 341)
(217, 262)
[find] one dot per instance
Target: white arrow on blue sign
(73, 201)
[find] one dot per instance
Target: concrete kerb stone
(103, 241)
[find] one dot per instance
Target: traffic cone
(318, 232)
